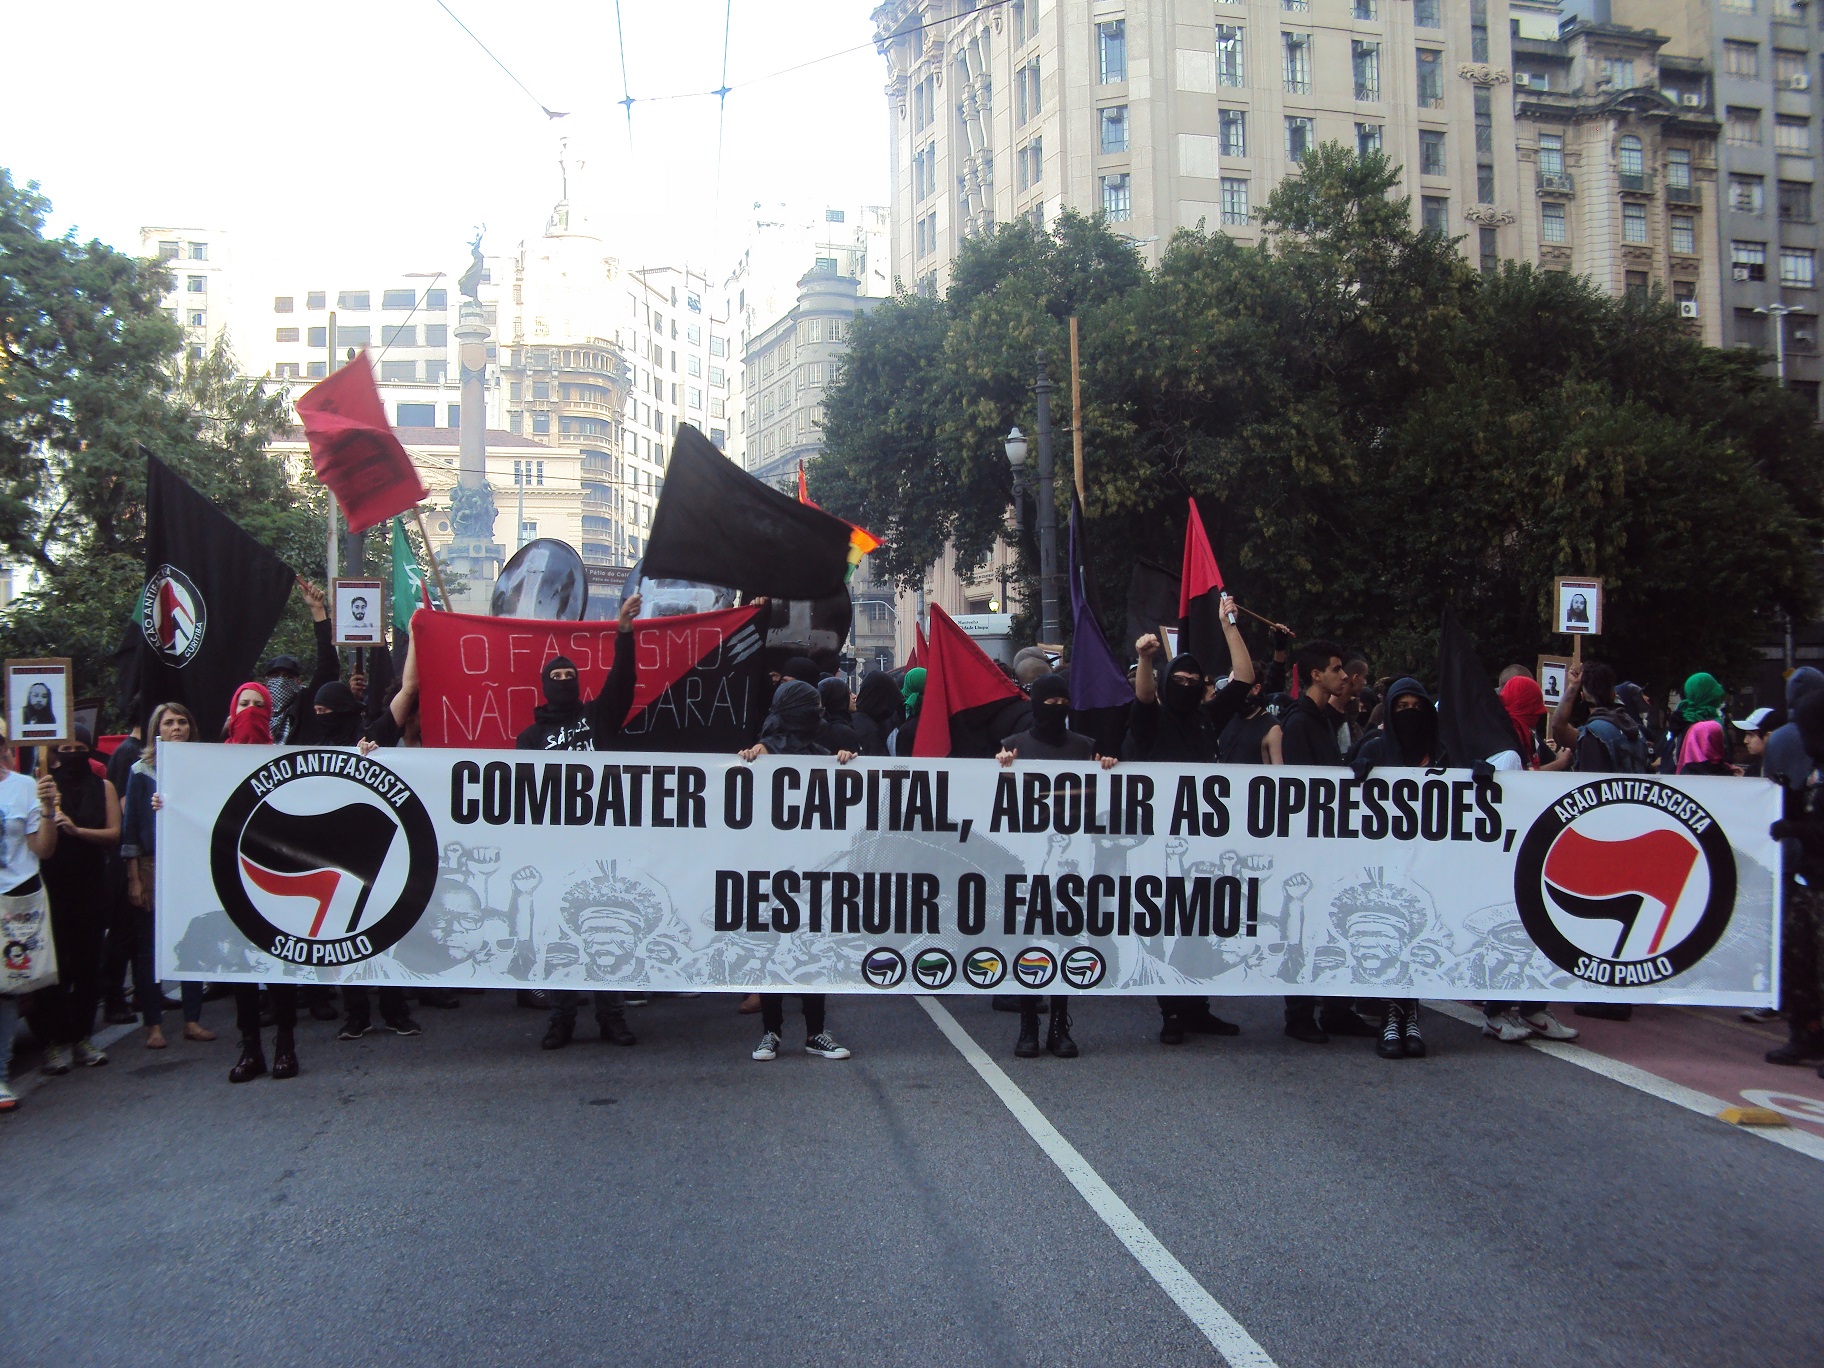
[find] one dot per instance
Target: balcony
(1635, 183)
(1557, 183)
(1683, 194)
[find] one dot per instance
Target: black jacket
(1155, 732)
(1308, 734)
(1074, 746)
(1382, 745)
(593, 725)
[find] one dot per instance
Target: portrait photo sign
(39, 702)
(1579, 606)
(1552, 670)
(360, 617)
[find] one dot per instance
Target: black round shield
(544, 580)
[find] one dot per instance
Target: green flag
(408, 580)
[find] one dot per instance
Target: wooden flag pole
(436, 569)
(1076, 406)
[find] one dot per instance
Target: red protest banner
(354, 450)
(700, 682)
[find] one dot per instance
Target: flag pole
(1076, 407)
(429, 550)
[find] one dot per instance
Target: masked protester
(565, 723)
(878, 712)
(289, 698)
(791, 729)
(1174, 721)
(334, 718)
(835, 732)
(76, 881)
(1801, 834)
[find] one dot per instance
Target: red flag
(959, 677)
(353, 449)
(1200, 573)
(1199, 598)
(916, 661)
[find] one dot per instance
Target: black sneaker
(557, 1035)
(1208, 1023)
(1804, 1047)
(1393, 1028)
(1307, 1030)
(354, 1028)
(1171, 1030)
(614, 1030)
(405, 1026)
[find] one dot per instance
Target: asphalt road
(464, 1197)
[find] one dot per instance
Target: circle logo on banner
(934, 969)
(1625, 882)
(984, 968)
(323, 857)
(1035, 967)
(1083, 967)
(173, 615)
(884, 968)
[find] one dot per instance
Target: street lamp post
(1778, 313)
(1049, 632)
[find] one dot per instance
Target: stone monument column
(473, 553)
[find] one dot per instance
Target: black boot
(252, 1062)
(1340, 1019)
(558, 1033)
(284, 1058)
(1171, 1029)
(1802, 1048)
(1057, 1034)
(1412, 1042)
(614, 1028)
(1393, 1028)
(1027, 1046)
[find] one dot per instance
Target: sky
(375, 135)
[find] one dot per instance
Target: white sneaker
(1549, 1026)
(824, 1045)
(1507, 1027)
(87, 1055)
(8, 1098)
(56, 1060)
(768, 1048)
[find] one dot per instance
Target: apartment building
(1620, 138)
(1167, 114)
(788, 368)
(201, 297)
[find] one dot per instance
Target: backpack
(1627, 754)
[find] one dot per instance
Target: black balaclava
(791, 724)
(801, 668)
(835, 696)
(341, 726)
(1050, 708)
(1416, 731)
(879, 699)
(563, 696)
(1179, 698)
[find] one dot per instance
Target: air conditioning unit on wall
(1687, 308)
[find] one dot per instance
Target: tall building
(1168, 114)
(1621, 137)
(201, 297)
(788, 367)
(1763, 57)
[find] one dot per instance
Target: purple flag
(1097, 679)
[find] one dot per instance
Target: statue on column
(470, 283)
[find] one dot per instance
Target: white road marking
(1629, 1075)
(1222, 1330)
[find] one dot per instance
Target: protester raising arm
(1564, 733)
(607, 711)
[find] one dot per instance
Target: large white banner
(507, 869)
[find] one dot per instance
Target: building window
(1684, 235)
(315, 370)
(1798, 267)
(1746, 194)
(1795, 201)
(1618, 72)
(1234, 202)
(1431, 79)
(541, 423)
(1425, 14)
(1362, 9)
(1790, 69)
(285, 370)
(1229, 68)
(1431, 152)
(398, 299)
(317, 337)
(1295, 6)
(1551, 222)
(1744, 126)
(170, 251)
(399, 334)
(436, 334)
(1485, 184)
(1232, 130)
(1630, 160)
(1027, 92)
(1635, 284)
(718, 346)
(696, 397)
(196, 284)
(1111, 50)
(355, 335)
(199, 251)
(354, 300)
(1434, 213)
(285, 335)
(1297, 63)
(282, 304)
(1029, 163)
(1742, 59)
(1789, 9)
(693, 366)
(315, 299)
(199, 320)
(1299, 137)
(1367, 139)
(1748, 260)
(1678, 168)
(1633, 221)
(1365, 58)
(1489, 248)
(541, 389)
(1114, 129)
(418, 415)
(1117, 197)
(1551, 154)
(435, 371)
(1792, 135)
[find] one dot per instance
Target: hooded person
(792, 721)
(1786, 760)
(1701, 700)
(835, 733)
(76, 883)
(250, 721)
(801, 668)
(1801, 834)
(878, 712)
(1525, 704)
(912, 698)
(334, 720)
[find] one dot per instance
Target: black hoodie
(563, 722)
(878, 711)
(1180, 726)
(1047, 738)
(1409, 743)
(340, 726)
(792, 722)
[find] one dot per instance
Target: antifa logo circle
(173, 615)
(1625, 882)
(1035, 967)
(934, 969)
(884, 968)
(1083, 967)
(984, 968)
(323, 858)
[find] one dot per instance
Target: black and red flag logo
(1625, 882)
(173, 615)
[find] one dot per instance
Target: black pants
(126, 925)
(608, 1007)
(1183, 1006)
(284, 1009)
(78, 927)
(1060, 1006)
(392, 1003)
(772, 1013)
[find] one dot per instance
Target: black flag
(1152, 602)
(1473, 725)
(212, 597)
(717, 524)
(305, 856)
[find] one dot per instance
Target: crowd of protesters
(85, 832)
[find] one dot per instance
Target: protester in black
(565, 723)
(877, 712)
(1048, 738)
(1308, 736)
(1801, 834)
(835, 733)
(1182, 721)
(1250, 738)
(76, 882)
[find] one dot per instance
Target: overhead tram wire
(715, 211)
(548, 112)
(620, 39)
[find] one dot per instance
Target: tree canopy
(1373, 431)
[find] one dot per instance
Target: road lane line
(1237, 1347)
(1633, 1076)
